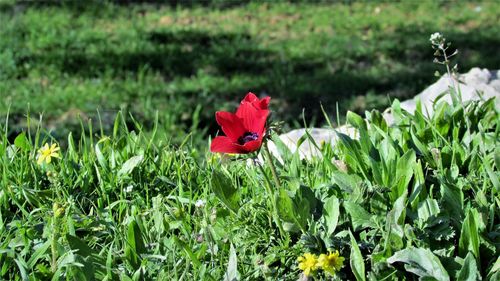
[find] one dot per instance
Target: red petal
(232, 125)
(255, 101)
(264, 103)
(252, 146)
(250, 97)
(254, 120)
(226, 145)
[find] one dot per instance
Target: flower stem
(271, 165)
(271, 197)
(53, 244)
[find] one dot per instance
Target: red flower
(256, 102)
(245, 129)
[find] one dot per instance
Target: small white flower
(129, 188)
(199, 203)
(436, 38)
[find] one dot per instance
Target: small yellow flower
(307, 263)
(46, 153)
(331, 263)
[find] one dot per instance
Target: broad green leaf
(356, 260)
(495, 270)
(137, 275)
(452, 199)
(305, 203)
(346, 182)
(22, 142)
(224, 190)
(331, 216)
(469, 271)
(395, 222)
(232, 266)
(428, 209)
(286, 211)
(297, 209)
(359, 123)
(469, 236)
(134, 246)
(492, 175)
(130, 164)
(422, 148)
(100, 157)
(82, 248)
(404, 173)
(421, 262)
(360, 218)
(355, 156)
(419, 189)
(355, 120)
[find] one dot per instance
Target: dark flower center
(248, 136)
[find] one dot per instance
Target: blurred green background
(187, 59)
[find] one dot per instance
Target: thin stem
(53, 244)
(271, 165)
(271, 197)
(447, 64)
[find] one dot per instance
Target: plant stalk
(271, 165)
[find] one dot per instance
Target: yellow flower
(46, 153)
(307, 263)
(331, 263)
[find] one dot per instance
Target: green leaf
(22, 142)
(395, 222)
(495, 270)
(356, 121)
(492, 175)
(286, 211)
(452, 199)
(296, 210)
(232, 266)
(188, 251)
(224, 190)
(82, 248)
(419, 191)
(428, 209)
(404, 173)
(469, 236)
(39, 252)
(469, 271)
(130, 164)
(100, 157)
(331, 215)
(360, 218)
(134, 246)
(346, 182)
(21, 265)
(356, 260)
(421, 262)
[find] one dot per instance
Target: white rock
(474, 85)
(308, 149)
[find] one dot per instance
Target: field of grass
(131, 191)
(67, 60)
(415, 200)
